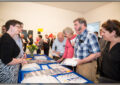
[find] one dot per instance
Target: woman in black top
(30, 39)
(9, 51)
(52, 40)
(110, 67)
(46, 45)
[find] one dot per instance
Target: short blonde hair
(68, 30)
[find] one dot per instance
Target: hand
(79, 61)
(59, 60)
(23, 61)
(58, 56)
(25, 56)
(58, 53)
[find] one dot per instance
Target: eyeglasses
(3, 29)
(18, 27)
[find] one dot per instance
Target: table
(21, 73)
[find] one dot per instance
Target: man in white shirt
(58, 46)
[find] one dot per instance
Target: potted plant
(32, 48)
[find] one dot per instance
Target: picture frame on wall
(25, 34)
(30, 32)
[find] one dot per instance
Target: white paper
(71, 78)
(55, 66)
(45, 67)
(62, 69)
(40, 79)
(40, 58)
(30, 67)
(69, 62)
(31, 74)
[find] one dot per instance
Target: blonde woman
(69, 48)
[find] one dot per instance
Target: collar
(83, 35)
(73, 37)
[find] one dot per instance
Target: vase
(31, 54)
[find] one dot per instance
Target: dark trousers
(25, 47)
(106, 80)
(72, 68)
(98, 66)
(38, 51)
(46, 51)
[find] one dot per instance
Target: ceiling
(81, 7)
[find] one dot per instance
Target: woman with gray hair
(68, 31)
(69, 49)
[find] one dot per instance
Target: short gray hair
(60, 34)
(68, 30)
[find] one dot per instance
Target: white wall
(103, 13)
(35, 16)
(52, 19)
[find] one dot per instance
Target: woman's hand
(23, 61)
(17, 61)
(60, 60)
(25, 56)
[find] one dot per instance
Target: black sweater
(111, 62)
(8, 49)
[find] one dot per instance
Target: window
(93, 27)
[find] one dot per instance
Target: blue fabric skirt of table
(21, 73)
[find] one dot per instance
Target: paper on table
(40, 79)
(30, 67)
(69, 62)
(31, 74)
(45, 67)
(61, 68)
(71, 78)
(55, 66)
(54, 71)
(41, 61)
(40, 58)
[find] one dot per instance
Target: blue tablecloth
(21, 73)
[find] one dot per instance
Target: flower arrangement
(32, 48)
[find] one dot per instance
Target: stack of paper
(31, 74)
(30, 67)
(40, 79)
(40, 58)
(61, 68)
(71, 78)
(69, 62)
